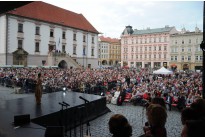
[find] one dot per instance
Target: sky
(111, 16)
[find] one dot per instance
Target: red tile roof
(108, 39)
(46, 12)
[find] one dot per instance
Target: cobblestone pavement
(99, 127)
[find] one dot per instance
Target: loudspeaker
(21, 119)
(54, 131)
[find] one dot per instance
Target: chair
(128, 97)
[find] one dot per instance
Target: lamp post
(202, 45)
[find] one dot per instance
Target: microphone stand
(88, 133)
(66, 120)
(64, 116)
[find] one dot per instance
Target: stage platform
(49, 113)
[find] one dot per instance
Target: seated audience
(116, 95)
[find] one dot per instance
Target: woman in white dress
(116, 95)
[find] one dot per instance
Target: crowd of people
(180, 89)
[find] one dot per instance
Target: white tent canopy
(163, 70)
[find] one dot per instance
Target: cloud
(111, 16)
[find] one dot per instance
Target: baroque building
(146, 48)
(43, 34)
(185, 51)
(109, 51)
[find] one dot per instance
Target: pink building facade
(146, 48)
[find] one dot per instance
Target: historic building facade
(43, 34)
(109, 51)
(146, 48)
(185, 51)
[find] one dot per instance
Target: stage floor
(49, 107)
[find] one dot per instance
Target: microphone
(83, 99)
(66, 103)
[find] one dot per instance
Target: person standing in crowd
(169, 100)
(38, 89)
(119, 126)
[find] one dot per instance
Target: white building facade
(35, 40)
(103, 53)
(146, 48)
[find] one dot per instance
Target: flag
(59, 44)
(83, 51)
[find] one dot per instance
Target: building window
(182, 41)
(136, 56)
(84, 38)
(92, 40)
(37, 47)
(51, 32)
(140, 56)
(92, 52)
(182, 49)
(175, 58)
(175, 41)
(74, 49)
(172, 58)
(189, 58)
(74, 36)
(159, 48)
(172, 49)
(150, 48)
(189, 49)
(189, 41)
(201, 58)
(165, 39)
(155, 48)
(132, 49)
(63, 35)
(165, 48)
(196, 58)
(140, 48)
(136, 41)
(20, 44)
(149, 56)
(145, 48)
(159, 56)
(154, 40)
(132, 56)
(165, 56)
(154, 56)
(37, 30)
(63, 49)
(150, 40)
(20, 27)
(182, 58)
(160, 39)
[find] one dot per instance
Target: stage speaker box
(54, 131)
(21, 119)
